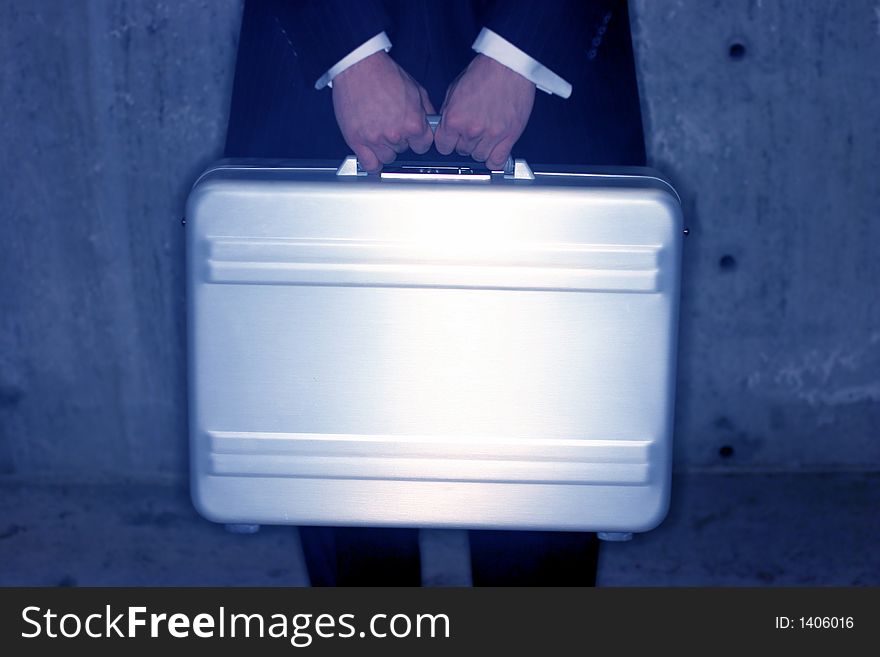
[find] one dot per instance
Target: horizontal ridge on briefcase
(433, 346)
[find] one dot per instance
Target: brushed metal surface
(382, 352)
(450, 458)
(374, 263)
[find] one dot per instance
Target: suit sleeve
(322, 32)
(559, 33)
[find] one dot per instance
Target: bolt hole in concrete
(725, 452)
(727, 263)
(737, 51)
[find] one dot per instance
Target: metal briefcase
(432, 346)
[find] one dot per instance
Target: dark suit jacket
(438, 33)
(286, 45)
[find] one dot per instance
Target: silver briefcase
(432, 346)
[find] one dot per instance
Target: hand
(486, 110)
(381, 111)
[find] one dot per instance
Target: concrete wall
(110, 108)
(765, 114)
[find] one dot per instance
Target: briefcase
(438, 345)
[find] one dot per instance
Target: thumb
(445, 138)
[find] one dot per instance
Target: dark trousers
(356, 556)
(276, 113)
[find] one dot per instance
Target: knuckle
(473, 130)
(371, 135)
(495, 132)
(413, 125)
(453, 120)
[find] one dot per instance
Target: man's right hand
(381, 111)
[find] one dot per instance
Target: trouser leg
(527, 558)
(361, 556)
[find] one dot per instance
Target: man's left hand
(486, 110)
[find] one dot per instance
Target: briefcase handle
(515, 169)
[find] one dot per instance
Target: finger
(445, 139)
(385, 153)
(367, 159)
(426, 101)
(395, 139)
(499, 155)
(421, 142)
(400, 146)
(465, 145)
(483, 149)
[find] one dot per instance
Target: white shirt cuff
(370, 47)
(504, 52)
